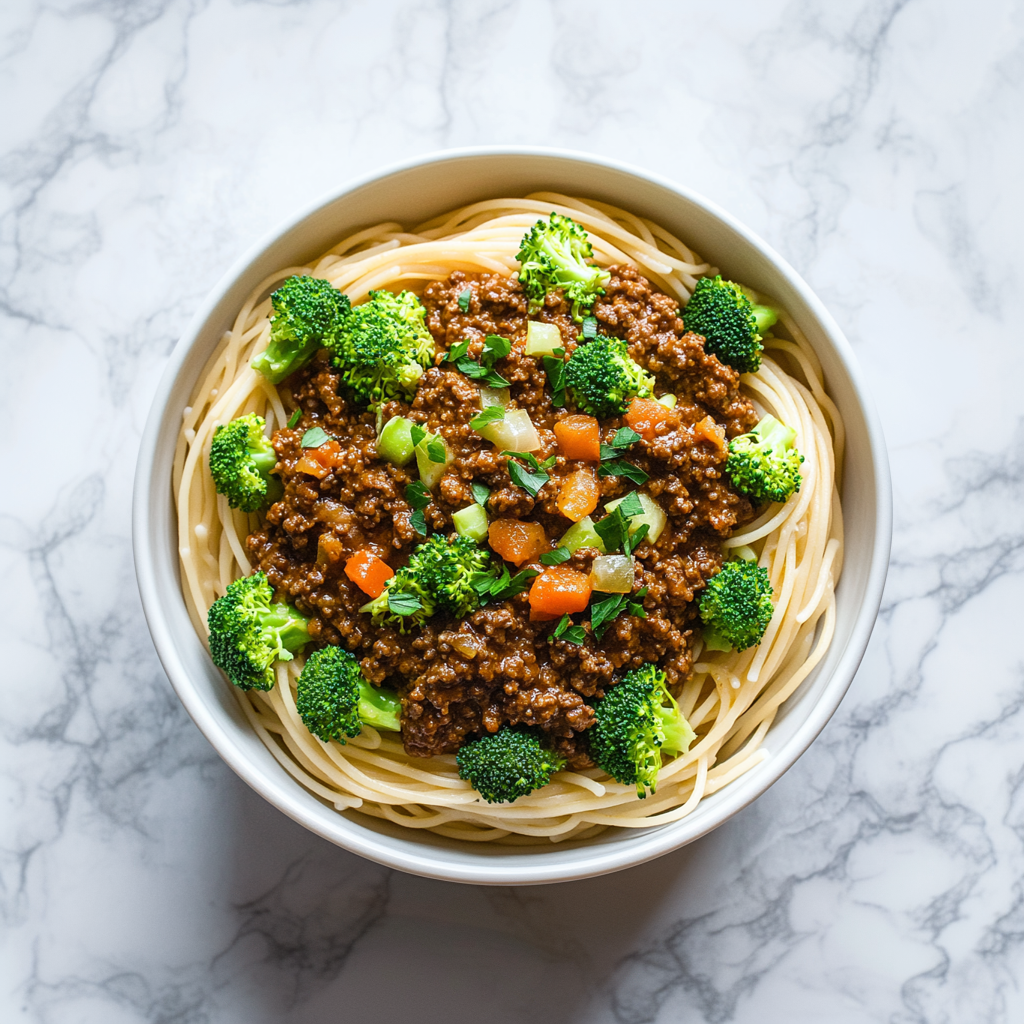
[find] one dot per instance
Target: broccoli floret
(241, 460)
(437, 578)
(603, 379)
(764, 463)
(637, 722)
(736, 607)
(334, 700)
(553, 254)
(730, 323)
(382, 347)
(446, 567)
(506, 765)
(248, 633)
(306, 309)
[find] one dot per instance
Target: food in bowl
(516, 526)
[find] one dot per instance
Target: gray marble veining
(878, 144)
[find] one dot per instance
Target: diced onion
(612, 574)
(542, 339)
(467, 644)
(653, 516)
(490, 397)
(669, 401)
(515, 433)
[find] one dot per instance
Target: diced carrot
(516, 541)
(557, 591)
(579, 437)
(711, 431)
(579, 494)
(320, 461)
(368, 572)
(644, 415)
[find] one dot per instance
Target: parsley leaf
(530, 482)
(602, 612)
(630, 505)
(314, 437)
(416, 434)
(614, 528)
(418, 521)
(417, 494)
(457, 352)
(500, 587)
(464, 298)
(554, 367)
(436, 451)
(294, 418)
(556, 557)
(403, 604)
(481, 492)
(620, 467)
(565, 630)
(491, 414)
(624, 439)
(495, 347)
(633, 539)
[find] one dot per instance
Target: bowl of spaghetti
(522, 571)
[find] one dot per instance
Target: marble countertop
(877, 144)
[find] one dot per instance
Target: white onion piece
(493, 396)
(467, 644)
(542, 339)
(612, 574)
(515, 433)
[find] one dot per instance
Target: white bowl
(411, 193)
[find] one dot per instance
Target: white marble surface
(877, 143)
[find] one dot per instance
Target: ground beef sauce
(459, 680)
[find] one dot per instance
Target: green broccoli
(437, 578)
(506, 765)
(248, 633)
(306, 309)
(764, 463)
(736, 606)
(552, 255)
(730, 323)
(637, 722)
(241, 460)
(334, 700)
(382, 347)
(603, 379)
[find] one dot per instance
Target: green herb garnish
(314, 437)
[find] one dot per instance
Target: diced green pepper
(581, 535)
(471, 522)
(395, 441)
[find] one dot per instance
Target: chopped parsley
(500, 587)
(565, 630)
(495, 347)
(556, 557)
(491, 414)
(463, 300)
(314, 437)
(531, 482)
(554, 367)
